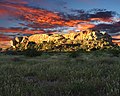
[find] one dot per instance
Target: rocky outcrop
(87, 40)
(18, 41)
(38, 38)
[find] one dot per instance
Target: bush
(75, 54)
(32, 52)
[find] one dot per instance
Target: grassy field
(95, 73)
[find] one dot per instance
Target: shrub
(32, 52)
(74, 54)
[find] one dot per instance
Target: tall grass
(60, 74)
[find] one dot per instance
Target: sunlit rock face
(38, 38)
(19, 41)
(76, 36)
(87, 40)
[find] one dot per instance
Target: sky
(30, 16)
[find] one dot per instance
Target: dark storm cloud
(106, 14)
(113, 28)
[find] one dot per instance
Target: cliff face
(87, 40)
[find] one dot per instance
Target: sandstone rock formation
(38, 38)
(87, 40)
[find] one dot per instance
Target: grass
(95, 73)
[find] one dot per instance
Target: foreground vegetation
(78, 73)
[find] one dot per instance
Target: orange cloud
(39, 18)
(85, 26)
(2, 12)
(4, 38)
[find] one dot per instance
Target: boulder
(18, 39)
(38, 38)
(70, 35)
(15, 42)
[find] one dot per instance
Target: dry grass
(60, 74)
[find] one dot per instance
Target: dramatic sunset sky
(35, 16)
